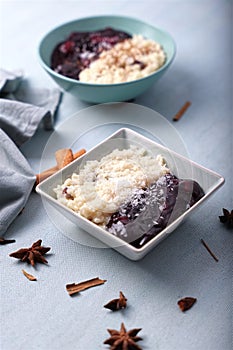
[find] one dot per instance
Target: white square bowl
(180, 166)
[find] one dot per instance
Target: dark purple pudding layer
(150, 210)
(76, 53)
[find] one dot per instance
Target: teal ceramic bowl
(102, 93)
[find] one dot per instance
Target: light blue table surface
(41, 315)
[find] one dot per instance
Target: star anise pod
(227, 217)
(33, 254)
(117, 304)
(123, 340)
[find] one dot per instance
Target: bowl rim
(75, 81)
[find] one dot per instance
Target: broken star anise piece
(33, 254)
(117, 304)
(123, 340)
(186, 303)
(227, 217)
(29, 276)
(6, 241)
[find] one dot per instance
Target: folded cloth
(9, 81)
(16, 89)
(22, 108)
(16, 181)
(20, 120)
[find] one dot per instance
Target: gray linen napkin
(20, 120)
(16, 181)
(22, 108)
(14, 89)
(9, 81)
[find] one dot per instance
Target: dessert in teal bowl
(106, 58)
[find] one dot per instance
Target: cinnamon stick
(45, 174)
(76, 288)
(183, 109)
(79, 153)
(64, 156)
